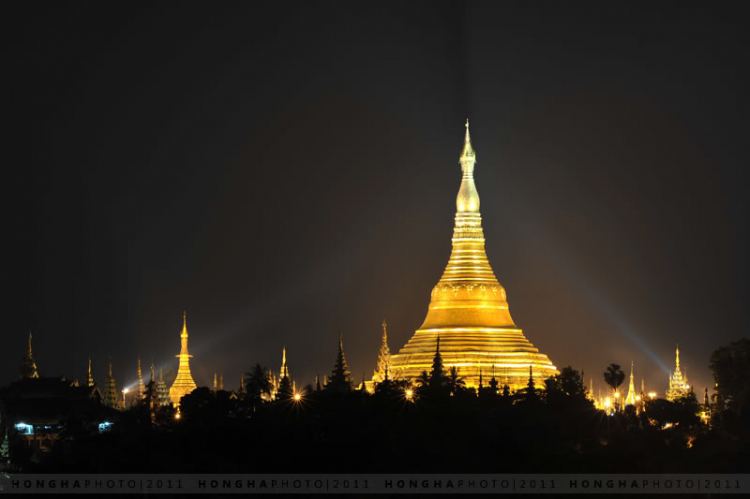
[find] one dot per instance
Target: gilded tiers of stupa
(183, 383)
(469, 311)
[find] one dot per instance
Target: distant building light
(25, 429)
(105, 426)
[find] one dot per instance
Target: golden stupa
(183, 383)
(469, 310)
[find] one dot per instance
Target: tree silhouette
(730, 365)
(286, 391)
(258, 384)
(437, 374)
(456, 384)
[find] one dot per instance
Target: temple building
(162, 392)
(678, 383)
(111, 395)
(469, 309)
(183, 383)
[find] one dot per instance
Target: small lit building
(42, 409)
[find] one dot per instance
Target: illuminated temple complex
(183, 383)
(469, 309)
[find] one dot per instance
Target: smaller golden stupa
(183, 383)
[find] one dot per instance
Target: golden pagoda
(469, 310)
(183, 383)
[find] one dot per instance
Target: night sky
(287, 172)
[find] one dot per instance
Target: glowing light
(638, 398)
(607, 402)
(667, 426)
(617, 395)
(297, 397)
(177, 416)
(409, 394)
(125, 391)
(652, 395)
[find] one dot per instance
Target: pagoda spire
(153, 378)
(183, 383)
(384, 357)
(28, 367)
(706, 403)
(242, 384)
(340, 376)
(216, 385)
(630, 399)
(111, 396)
(139, 382)
(89, 376)
(221, 382)
(284, 371)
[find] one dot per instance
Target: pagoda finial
(153, 378)
(184, 333)
(110, 366)
(468, 197)
(677, 357)
(468, 156)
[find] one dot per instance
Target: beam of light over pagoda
(469, 309)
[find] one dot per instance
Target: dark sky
(286, 172)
